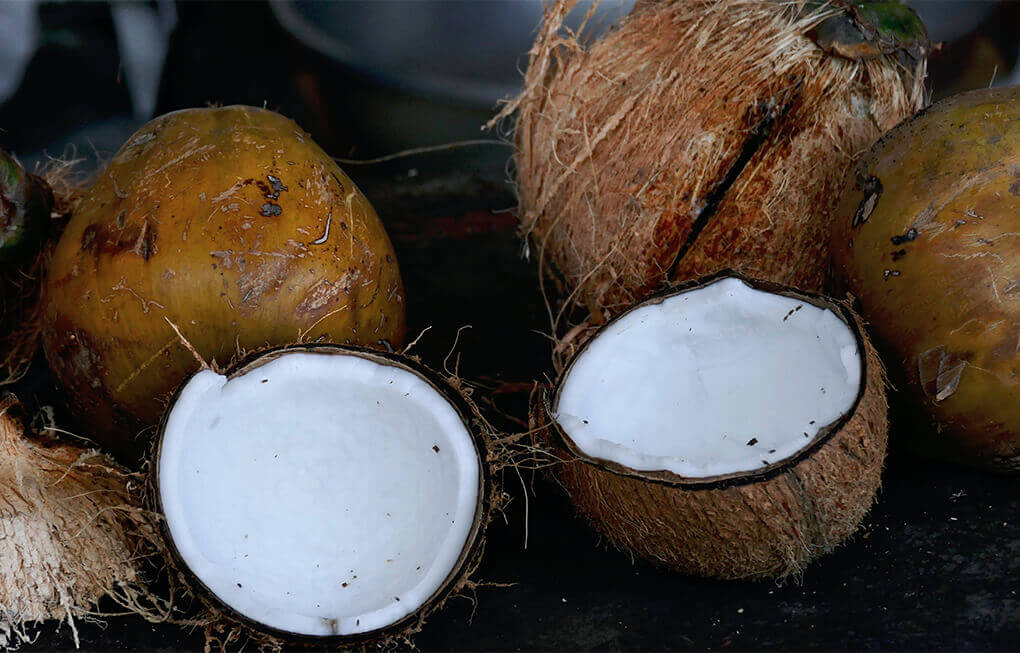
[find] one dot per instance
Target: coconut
(926, 240)
(729, 428)
(72, 531)
(226, 225)
(702, 135)
(27, 205)
(321, 494)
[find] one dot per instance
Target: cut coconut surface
(728, 427)
(321, 491)
(712, 382)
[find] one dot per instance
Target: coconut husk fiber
(71, 532)
(695, 136)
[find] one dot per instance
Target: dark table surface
(934, 565)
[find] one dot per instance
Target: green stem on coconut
(25, 205)
(870, 29)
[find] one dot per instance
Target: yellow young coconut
(228, 227)
(926, 240)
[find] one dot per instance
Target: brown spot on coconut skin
(76, 355)
(909, 237)
(872, 189)
(939, 373)
(140, 239)
(270, 210)
(278, 186)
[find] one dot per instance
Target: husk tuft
(695, 136)
(72, 531)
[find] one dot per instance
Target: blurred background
(365, 77)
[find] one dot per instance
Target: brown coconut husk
(226, 628)
(695, 136)
(770, 522)
(72, 531)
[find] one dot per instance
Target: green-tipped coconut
(703, 135)
(321, 495)
(728, 428)
(25, 204)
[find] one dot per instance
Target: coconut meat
(714, 381)
(319, 494)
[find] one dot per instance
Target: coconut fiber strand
(694, 136)
(71, 532)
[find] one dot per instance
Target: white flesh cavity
(685, 385)
(318, 494)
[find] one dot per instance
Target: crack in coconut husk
(72, 531)
(622, 142)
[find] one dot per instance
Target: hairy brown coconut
(227, 227)
(927, 239)
(702, 135)
(322, 495)
(72, 531)
(728, 428)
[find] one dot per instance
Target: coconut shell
(72, 531)
(768, 523)
(227, 226)
(696, 136)
(926, 239)
(225, 625)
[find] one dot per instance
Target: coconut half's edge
(322, 494)
(727, 427)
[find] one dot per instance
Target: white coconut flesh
(319, 494)
(715, 381)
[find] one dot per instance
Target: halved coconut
(729, 428)
(322, 492)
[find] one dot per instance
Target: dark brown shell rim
(759, 475)
(469, 556)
